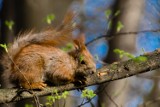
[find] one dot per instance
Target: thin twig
(111, 36)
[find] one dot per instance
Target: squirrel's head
(83, 56)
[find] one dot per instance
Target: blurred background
(100, 20)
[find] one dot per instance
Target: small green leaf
(9, 24)
(50, 98)
(81, 58)
(58, 97)
(129, 55)
(122, 53)
(65, 94)
(55, 90)
(49, 18)
(117, 13)
(4, 46)
(108, 13)
(48, 104)
(88, 94)
(119, 26)
(121, 56)
(140, 59)
(68, 47)
(118, 51)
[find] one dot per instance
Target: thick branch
(105, 74)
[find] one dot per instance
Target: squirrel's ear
(80, 42)
(77, 44)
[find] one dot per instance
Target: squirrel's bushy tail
(55, 37)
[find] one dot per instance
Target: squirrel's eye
(83, 62)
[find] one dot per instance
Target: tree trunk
(130, 14)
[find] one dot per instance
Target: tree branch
(105, 74)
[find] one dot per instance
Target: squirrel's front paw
(81, 74)
(80, 79)
(35, 85)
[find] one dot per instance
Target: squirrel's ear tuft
(77, 44)
(80, 42)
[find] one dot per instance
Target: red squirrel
(35, 58)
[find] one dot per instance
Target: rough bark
(112, 72)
